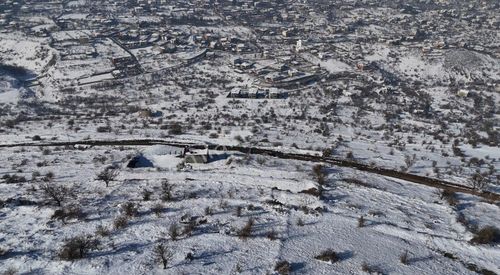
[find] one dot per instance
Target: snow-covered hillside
(369, 221)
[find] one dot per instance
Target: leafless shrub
(120, 222)
(261, 160)
(35, 175)
(319, 174)
(157, 209)
(68, 213)
(49, 176)
(239, 208)
(163, 254)
(173, 231)
(239, 139)
(10, 271)
(175, 129)
(223, 204)
(238, 268)
(486, 235)
(300, 222)
(328, 256)
(272, 235)
(189, 227)
(404, 258)
(146, 194)
(166, 190)
(409, 162)
(102, 231)
(77, 248)
(361, 221)
(479, 181)
(208, 211)
(57, 193)
(9, 179)
(350, 155)
(372, 269)
(283, 267)
(247, 230)
(449, 196)
(130, 209)
(108, 175)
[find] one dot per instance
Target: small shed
(197, 156)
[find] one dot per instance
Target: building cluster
(280, 44)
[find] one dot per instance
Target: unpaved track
(278, 154)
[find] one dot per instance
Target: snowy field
(398, 217)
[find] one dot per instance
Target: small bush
(102, 231)
(350, 155)
(403, 258)
(372, 269)
(163, 254)
(300, 222)
(272, 235)
(104, 129)
(449, 196)
(247, 230)
(328, 256)
(10, 271)
(35, 175)
(283, 267)
(108, 175)
(486, 235)
(68, 213)
(175, 129)
(157, 209)
(208, 211)
(239, 208)
(120, 222)
(146, 195)
(319, 174)
(189, 227)
(13, 178)
(361, 221)
(166, 191)
(57, 193)
(77, 248)
(173, 231)
(130, 209)
(49, 176)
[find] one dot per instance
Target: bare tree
(247, 230)
(163, 254)
(319, 173)
(108, 175)
(78, 248)
(409, 162)
(479, 181)
(166, 190)
(57, 193)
